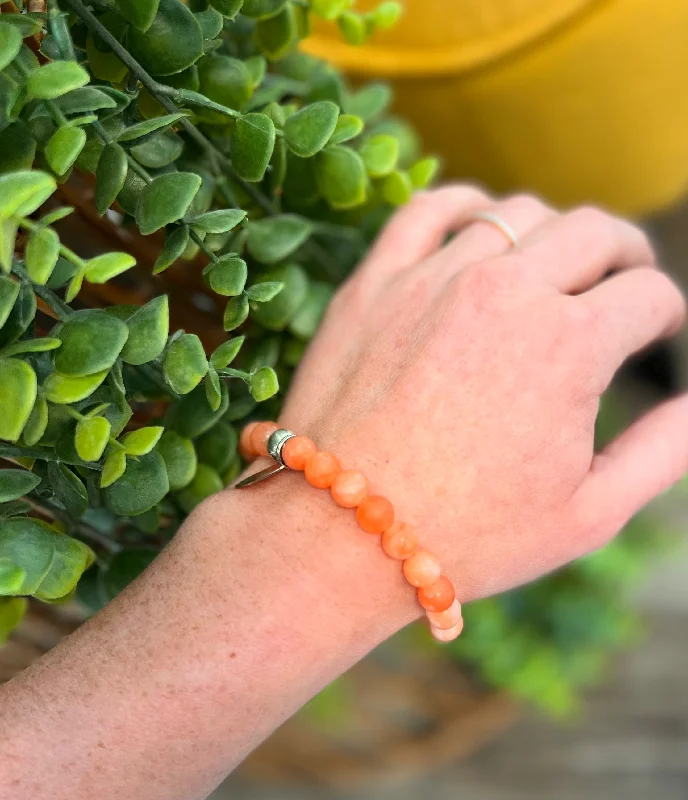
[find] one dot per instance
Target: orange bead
(297, 451)
(260, 435)
(400, 541)
(422, 569)
(349, 488)
(375, 514)
(445, 619)
(438, 596)
(448, 634)
(246, 450)
(321, 469)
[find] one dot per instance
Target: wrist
(309, 550)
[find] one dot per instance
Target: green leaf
(65, 389)
(17, 144)
(306, 321)
(341, 177)
(140, 13)
(397, 188)
(226, 353)
(56, 215)
(102, 268)
(55, 79)
(9, 291)
(179, 456)
(111, 173)
(91, 437)
(218, 447)
(148, 331)
(228, 8)
(330, 9)
(353, 28)
(74, 285)
(387, 14)
(113, 469)
(20, 316)
(348, 127)
(85, 99)
(42, 345)
(191, 415)
(104, 64)
(308, 130)
(51, 562)
(10, 44)
(213, 390)
(264, 384)
(369, 102)
(63, 148)
(166, 199)
(252, 146)
(206, 482)
(12, 611)
(68, 489)
(423, 172)
(184, 363)
(277, 35)
(11, 578)
(176, 241)
(275, 238)
(15, 483)
(143, 485)
(91, 342)
(141, 441)
(228, 275)
(18, 387)
(277, 313)
(172, 43)
(236, 312)
(226, 81)
(148, 126)
(158, 151)
(8, 237)
(263, 292)
(36, 423)
(211, 22)
(22, 192)
(380, 154)
(26, 25)
(41, 254)
(262, 9)
(124, 568)
(218, 221)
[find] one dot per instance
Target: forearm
(263, 597)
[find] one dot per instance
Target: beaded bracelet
(374, 513)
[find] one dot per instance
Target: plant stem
(61, 309)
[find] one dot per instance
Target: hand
(464, 380)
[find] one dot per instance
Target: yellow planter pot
(578, 100)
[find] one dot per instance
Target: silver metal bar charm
(263, 475)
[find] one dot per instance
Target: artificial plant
(250, 165)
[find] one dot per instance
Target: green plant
(208, 131)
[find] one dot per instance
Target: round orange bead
(438, 596)
(375, 514)
(349, 488)
(400, 541)
(321, 469)
(260, 435)
(422, 569)
(246, 449)
(445, 619)
(447, 634)
(297, 451)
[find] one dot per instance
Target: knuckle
(591, 217)
(529, 203)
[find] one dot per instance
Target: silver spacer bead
(277, 441)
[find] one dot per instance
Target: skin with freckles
(463, 381)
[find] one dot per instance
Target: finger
(576, 250)
(482, 239)
(637, 466)
(629, 311)
(420, 228)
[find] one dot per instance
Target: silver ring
(498, 222)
